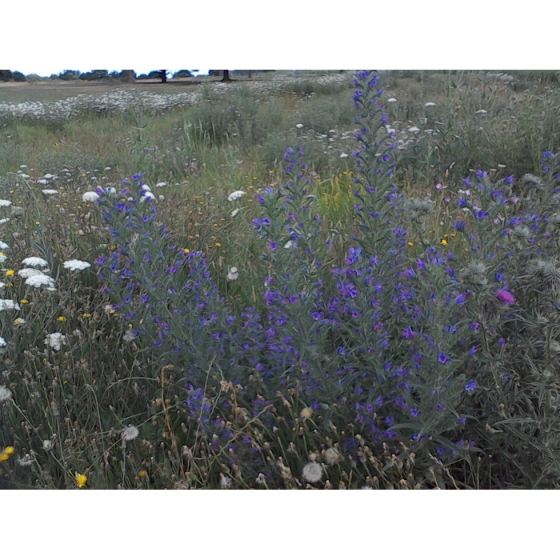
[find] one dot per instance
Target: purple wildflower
(505, 296)
(471, 386)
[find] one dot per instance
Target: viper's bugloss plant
(424, 357)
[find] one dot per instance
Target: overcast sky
(434, 34)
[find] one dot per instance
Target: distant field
(53, 90)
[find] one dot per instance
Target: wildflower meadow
(336, 281)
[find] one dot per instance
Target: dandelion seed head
(5, 394)
(25, 461)
(312, 472)
(130, 433)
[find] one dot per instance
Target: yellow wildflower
(81, 480)
(10, 272)
(9, 450)
(410, 244)
(142, 474)
(62, 319)
(218, 244)
(4, 457)
(86, 315)
(24, 301)
(186, 251)
(443, 242)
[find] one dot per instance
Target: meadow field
(311, 280)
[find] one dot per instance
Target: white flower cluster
(90, 196)
(41, 281)
(8, 304)
(35, 262)
(235, 195)
(55, 340)
(75, 264)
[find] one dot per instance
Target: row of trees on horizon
(123, 75)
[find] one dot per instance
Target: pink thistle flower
(505, 296)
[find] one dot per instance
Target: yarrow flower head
(90, 196)
(55, 340)
(41, 280)
(35, 262)
(8, 304)
(235, 195)
(27, 272)
(312, 472)
(75, 264)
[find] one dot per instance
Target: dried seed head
(474, 272)
(331, 455)
(225, 482)
(306, 413)
(521, 232)
(530, 180)
(548, 270)
(420, 207)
